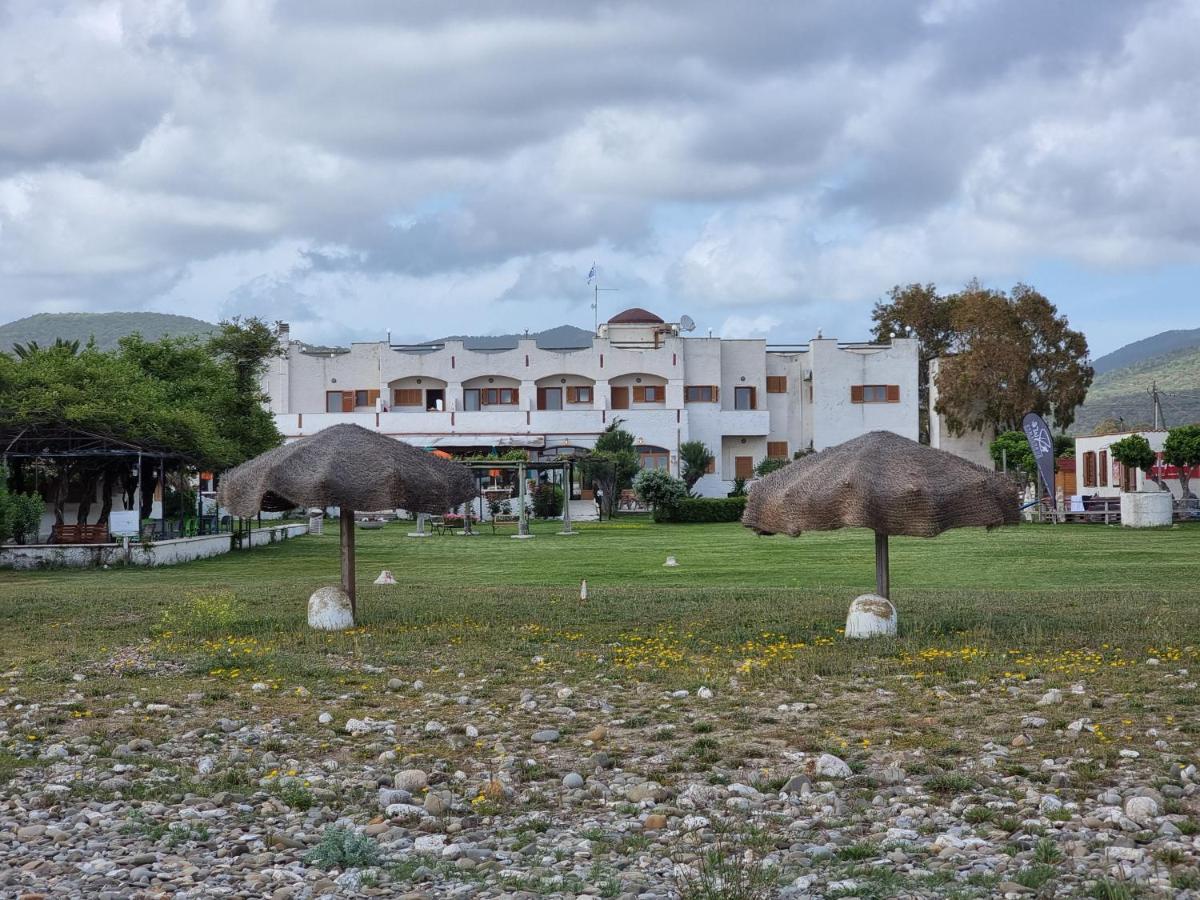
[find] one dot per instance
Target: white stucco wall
(973, 445)
(1096, 443)
(836, 370)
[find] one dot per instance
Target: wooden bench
(503, 520)
(436, 524)
(79, 534)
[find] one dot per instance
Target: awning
(480, 440)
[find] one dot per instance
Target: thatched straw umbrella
(352, 468)
(884, 482)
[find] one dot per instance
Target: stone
(829, 766)
(1141, 809)
(597, 734)
(394, 684)
(671, 563)
(654, 822)
(647, 790)
(1051, 697)
(385, 577)
(545, 736)
(796, 784)
(705, 693)
(205, 765)
(325, 718)
(329, 609)
(411, 780)
(430, 844)
(871, 616)
(573, 781)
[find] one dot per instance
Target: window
(711, 468)
(499, 396)
(777, 449)
(581, 394)
(648, 393)
(1102, 468)
(654, 458)
(743, 467)
(550, 398)
(360, 398)
(406, 397)
(1089, 469)
(744, 398)
(620, 398)
(874, 393)
(471, 400)
(700, 393)
(333, 401)
(776, 384)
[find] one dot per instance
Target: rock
(329, 609)
(647, 790)
(829, 766)
(430, 844)
(871, 616)
(655, 822)
(545, 736)
(600, 760)
(573, 781)
(385, 577)
(1033, 722)
(357, 726)
(438, 803)
(205, 765)
(1022, 740)
(705, 693)
(1141, 809)
(55, 751)
(796, 784)
(394, 684)
(1051, 697)
(259, 686)
(411, 780)
(325, 718)
(597, 734)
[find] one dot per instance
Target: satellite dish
(686, 323)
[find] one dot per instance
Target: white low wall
(157, 553)
(1146, 509)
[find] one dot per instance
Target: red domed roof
(635, 316)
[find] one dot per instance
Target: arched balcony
(637, 390)
(417, 393)
(565, 391)
(496, 392)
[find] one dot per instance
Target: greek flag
(592, 274)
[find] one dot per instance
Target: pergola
(481, 469)
(21, 445)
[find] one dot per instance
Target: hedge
(703, 509)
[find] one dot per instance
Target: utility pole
(594, 281)
(1158, 416)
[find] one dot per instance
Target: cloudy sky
(769, 168)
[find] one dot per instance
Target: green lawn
(1041, 586)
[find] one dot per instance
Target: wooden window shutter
(743, 466)
(754, 398)
(620, 398)
(777, 449)
(572, 395)
(348, 401)
(516, 395)
(372, 396)
(639, 393)
(406, 397)
(856, 393)
(893, 393)
(1102, 468)
(776, 384)
(541, 398)
(716, 394)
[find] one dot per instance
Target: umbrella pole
(882, 579)
(347, 520)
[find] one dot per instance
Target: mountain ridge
(107, 328)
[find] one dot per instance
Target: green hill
(107, 328)
(1124, 393)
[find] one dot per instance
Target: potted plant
(1141, 508)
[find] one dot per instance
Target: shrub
(770, 464)
(658, 487)
(341, 848)
(739, 488)
(547, 500)
(702, 509)
(1134, 452)
(25, 516)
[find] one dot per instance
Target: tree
(611, 465)
(1182, 450)
(658, 488)
(1003, 355)
(696, 458)
(917, 311)
(1133, 451)
(1012, 448)
(20, 514)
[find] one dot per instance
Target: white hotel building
(553, 393)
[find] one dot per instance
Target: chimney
(283, 331)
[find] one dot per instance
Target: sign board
(123, 522)
(1042, 444)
